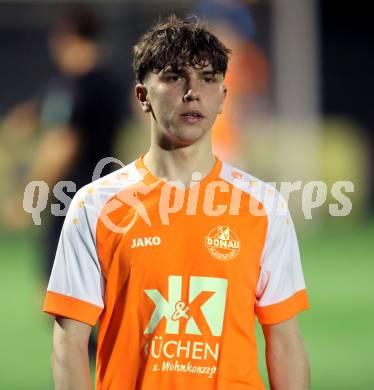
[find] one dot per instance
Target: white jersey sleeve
(76, 285)
(280, 292)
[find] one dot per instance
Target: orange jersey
(176, 277)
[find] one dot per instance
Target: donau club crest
(222, 243)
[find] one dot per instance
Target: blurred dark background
(300, 108)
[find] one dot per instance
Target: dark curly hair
(175, 43)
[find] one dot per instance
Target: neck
(180, 163)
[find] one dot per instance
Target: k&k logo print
(206, 296)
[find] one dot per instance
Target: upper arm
(70, 332)
(64, 136)
(56, 152)
(283, 334)
(69, 359)
(286, 357)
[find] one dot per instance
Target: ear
(224, 93)
(141, 95)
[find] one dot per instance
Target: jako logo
(145, 241)
(206, 295)
(222, 243)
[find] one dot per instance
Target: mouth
(193, 114)
(192, 117)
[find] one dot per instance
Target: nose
(191, 92)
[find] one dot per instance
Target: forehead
(187, 69)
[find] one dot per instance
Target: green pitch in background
(338, 265)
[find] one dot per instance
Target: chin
(174, 141)
(191, 137)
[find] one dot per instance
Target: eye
(173, 77)
(209, 79)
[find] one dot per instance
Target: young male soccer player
(176, 272)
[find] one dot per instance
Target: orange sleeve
(69, 307)
(283, 310)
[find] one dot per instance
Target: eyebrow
(182, 72)
(208, 72)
